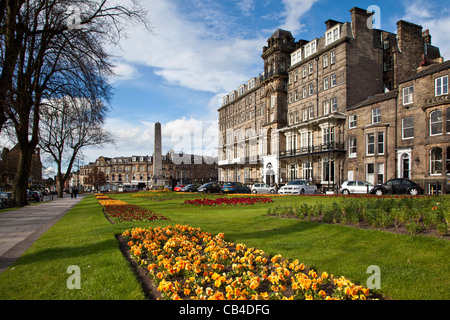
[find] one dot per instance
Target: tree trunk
(20, 182)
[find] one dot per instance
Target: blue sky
(199, 50)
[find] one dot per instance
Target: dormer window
(310, 48)
(332, 35)
(241, 90)
(296, 57)
(251, 84)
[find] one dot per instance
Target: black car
(35, 196)
(210, 187)
(397, 186)
(235, 187)
(191, 187)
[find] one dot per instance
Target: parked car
(263, 188)
(4, 200)
(298, 187)
(35, 196)
(193, 187)
(210, 187)
(178, 187)
(356, 187)
(235, 187)
(397, 186)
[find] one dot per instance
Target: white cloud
(246, 6)
(123, 71)
(187, 134)
(293, 12)
(196, 54)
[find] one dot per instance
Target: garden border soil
(150, 291)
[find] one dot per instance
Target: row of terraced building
(357, 103)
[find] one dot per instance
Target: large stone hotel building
(357, 103)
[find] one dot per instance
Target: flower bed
(414, 214)
(188, 263)
(228, 201)
(120, 211)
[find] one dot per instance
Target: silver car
(263, 188)
(298, 187)
(356, 187)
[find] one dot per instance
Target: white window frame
(332, 57)
(431, 123)
(333, 105)
(296, 57)
(370, 143)
(311, 112)
(310, 48)
(352, 121)
(310, 89)
(382, 143)
(332, 35)
(327, 135)
(376, 115)
(325, 60)
(325, 83)
(333, 81)
(305, 114)
(272, 101)
(326, 107)
(352, 147)
(408, 95)
(406, 128)
(441, 86)
(434, 162)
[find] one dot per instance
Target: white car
(356, 187)
(298, 187)
(263, 188)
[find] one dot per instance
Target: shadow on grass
(69, 252)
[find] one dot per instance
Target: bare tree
(96, 178)
(50, 49)
(67, 126)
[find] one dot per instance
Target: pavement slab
(19, 228)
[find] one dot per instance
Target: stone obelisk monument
(158, 179)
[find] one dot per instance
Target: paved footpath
(19, 228)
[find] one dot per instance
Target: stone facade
(8, 168)
(137, 171)
(293, 123)
(423, 130)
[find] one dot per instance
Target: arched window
(436, 161)
(436, 122)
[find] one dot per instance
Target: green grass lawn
(412, 267)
